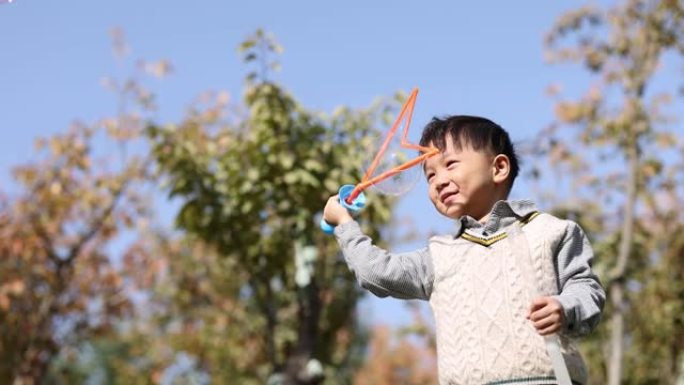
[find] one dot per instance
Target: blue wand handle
(354, 207)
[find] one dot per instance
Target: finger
(554, 328)
(330, 208)
(332, 201)
(548, 311)
(537, 304)
(542, 313)
(551, 306)
(546, 322)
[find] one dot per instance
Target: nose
(440, 180)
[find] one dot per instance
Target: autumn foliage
(243, 287)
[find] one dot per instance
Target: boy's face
(462, 181)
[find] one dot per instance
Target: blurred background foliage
(245, 289)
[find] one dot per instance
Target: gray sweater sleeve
(581, 293)
(400, 275)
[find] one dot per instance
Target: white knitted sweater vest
(480, 300)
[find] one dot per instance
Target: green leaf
(245, 45)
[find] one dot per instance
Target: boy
(504, 278)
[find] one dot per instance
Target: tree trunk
(617, 276)
(616, 334)
(301, 367)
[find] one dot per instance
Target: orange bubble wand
(367, 180)
(351, 196)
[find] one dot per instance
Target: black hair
(479, 133)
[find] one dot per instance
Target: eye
(451, 163)
(430, 175)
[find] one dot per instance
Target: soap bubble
(394, 156)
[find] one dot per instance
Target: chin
(453, 212)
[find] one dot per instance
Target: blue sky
(482, 58)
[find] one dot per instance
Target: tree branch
(95, 226)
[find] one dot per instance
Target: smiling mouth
(446, 196)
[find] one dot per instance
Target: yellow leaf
(55, 188)
(16, 287)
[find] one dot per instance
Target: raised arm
(400, 275)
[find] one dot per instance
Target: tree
(407, 356)
(633, 196)
(58, 283)
(252, 185)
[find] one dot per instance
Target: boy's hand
(546, 315)
(334, 213)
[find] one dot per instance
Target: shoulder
(550, 227)
(540, 219)
(570, 227)
(556, 231)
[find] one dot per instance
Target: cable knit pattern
(545, 271)
(537, 251)
(519, 300)
(480, 297)
(459, 331)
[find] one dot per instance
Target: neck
(495, 198)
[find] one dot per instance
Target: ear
(501, 167)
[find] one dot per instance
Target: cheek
(477, 185)
(434, 196)
(467, 178)
(432, 193)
